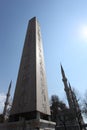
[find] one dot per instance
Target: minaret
(64, 79)
(31, 97)
(75, 104)
(72, 100)
(66, 87)
(7, 102)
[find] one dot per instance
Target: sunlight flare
(83, 33)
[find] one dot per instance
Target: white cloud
(2, 101)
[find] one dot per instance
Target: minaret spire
(64, 79)
(63, 73)
(7, 102)
(66, 85)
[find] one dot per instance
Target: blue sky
(64, 35)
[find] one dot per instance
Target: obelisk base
(29, 125)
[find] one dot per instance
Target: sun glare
(83, 33)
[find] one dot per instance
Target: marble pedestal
(29, 125)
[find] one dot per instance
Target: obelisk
(31, 96)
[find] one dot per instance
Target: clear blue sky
(64, 34)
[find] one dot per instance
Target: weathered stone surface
(28, 125)
(31, 88)
(30, 104)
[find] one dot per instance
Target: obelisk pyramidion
(31, 96)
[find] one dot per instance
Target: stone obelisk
(31, 96)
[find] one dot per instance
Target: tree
(84, 109)
(59, 111)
